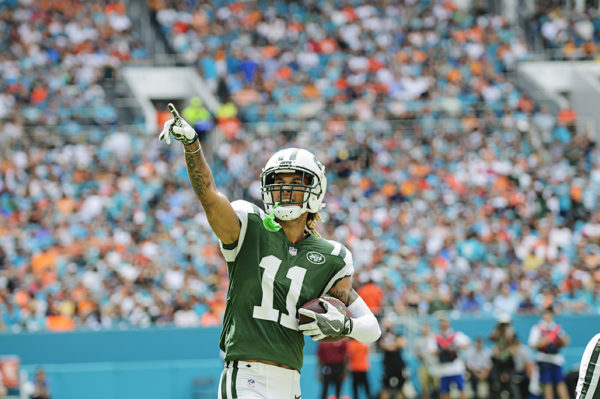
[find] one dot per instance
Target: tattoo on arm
(199, 173)
(347, 296)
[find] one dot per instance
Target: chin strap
(269, 221)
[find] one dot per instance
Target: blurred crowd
(453, 189)
(54, 56)
(564, 33)
(293, 60)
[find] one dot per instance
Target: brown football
(316, 307)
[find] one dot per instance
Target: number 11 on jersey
(266, 311)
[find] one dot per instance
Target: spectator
(428, 362)
(527, 306)
(446, 346)
(470, 303)
(198, 117)
(358, 356)
(210, 318)
(479, 365)
(392, 345)
(506, 302)
(503, 361)
(548, 338)
(372, 294)
(503, 334)
(523, 371)
(186, 317)
(332, 366)
(41, 390)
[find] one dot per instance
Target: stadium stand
(450, 181)
(565, 34)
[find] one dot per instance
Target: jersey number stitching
(266, 311)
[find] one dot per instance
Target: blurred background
(459, 139)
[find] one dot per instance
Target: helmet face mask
(311, 182)
(287, 192)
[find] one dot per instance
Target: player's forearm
(219, 212)
(200, 174)
(365, 327)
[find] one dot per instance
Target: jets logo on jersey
(315, 257)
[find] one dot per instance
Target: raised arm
(219, 212)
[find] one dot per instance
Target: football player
(588, 384)
(276, 261)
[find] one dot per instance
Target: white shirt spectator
(585, 29)
(591, 230)
(119, 22)
(457, 366)
(174, 279)
(423, 349)
(92, 280)
(506, 304)
(92, 207)
(478, 359)
(186, 318)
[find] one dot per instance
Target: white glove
(178, 128)
(330, 324)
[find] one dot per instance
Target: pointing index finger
(174, 112)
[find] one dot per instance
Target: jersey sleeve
(347, 268)
(242, 209)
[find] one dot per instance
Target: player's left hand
(330, 324)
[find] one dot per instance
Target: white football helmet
(294, 160)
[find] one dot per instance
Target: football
(316, 307)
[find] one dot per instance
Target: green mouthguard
(269, 221)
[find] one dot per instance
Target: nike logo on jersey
(297, 397)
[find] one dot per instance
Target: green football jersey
(269, 279)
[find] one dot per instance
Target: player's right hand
(178, 128)
(330, 324)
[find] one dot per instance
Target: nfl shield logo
(293, 251)
(251, 383)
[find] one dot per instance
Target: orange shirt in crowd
(210, 319)
(162, 116)
(372, 295)
(567, 116)
(115, 7)
(358, 355)
(59, 323)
